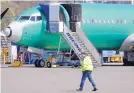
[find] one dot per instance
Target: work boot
(79, 89)
(95, 89)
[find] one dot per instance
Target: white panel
(111, 53)
(22, 49)
(108, 53)
(79, 23)
(13, 54)
(61, 26)
(54, 27)
(35, 50)
(122, 54)
(54, 12)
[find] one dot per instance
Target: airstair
(80, 43)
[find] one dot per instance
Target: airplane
(107, 26)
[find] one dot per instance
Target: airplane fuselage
(107, 26)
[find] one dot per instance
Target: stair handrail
(88, 44)
(64, 28)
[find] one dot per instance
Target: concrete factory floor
(109, 79)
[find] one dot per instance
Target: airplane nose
(14, 31)
(8, 31)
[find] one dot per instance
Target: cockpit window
(32, 18)
(39, 18)
(24, 18)
(17, 17)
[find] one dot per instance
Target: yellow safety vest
(87, 64)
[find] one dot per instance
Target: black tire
(61, 65)
(36, 63)
(75, 65)
(41, 63)
(49, 65)
(125, 62)
(69, 65)
(128, 63)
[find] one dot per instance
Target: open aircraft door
(75, 14)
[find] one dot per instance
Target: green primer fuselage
(105, 25)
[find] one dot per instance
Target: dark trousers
(86, 74)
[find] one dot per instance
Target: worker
(87, 68)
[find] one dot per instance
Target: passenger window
(88, 21)
(100, 21)
(95, 20)
(113, 21)
(39, 18)
(108, 21)
(32, 18)
(104, 21)
(125, 22)
(121, 21)
(92, 20)
(117, 21)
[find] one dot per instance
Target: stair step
(90, 55)
(74, 34)
(79, 41)
(85, 49)
(92, 58)
(82, 45)
(94, 61)
(87, 52)
(77, 37)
